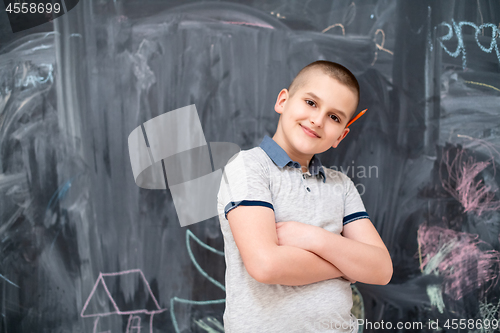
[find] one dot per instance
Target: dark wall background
(73, 89)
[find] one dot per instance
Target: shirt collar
(281, 158)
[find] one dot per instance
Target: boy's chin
(311, 150)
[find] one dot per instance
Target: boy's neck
(304, 161)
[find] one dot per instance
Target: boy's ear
(280, 101)
(341, 137)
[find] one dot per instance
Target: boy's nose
(317, 119)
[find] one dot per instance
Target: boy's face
(322, 105)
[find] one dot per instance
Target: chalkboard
(83, 248)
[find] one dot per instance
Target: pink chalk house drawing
(109, 284)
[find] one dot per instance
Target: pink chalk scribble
(461, 184)
(134, 318)
(456, 257)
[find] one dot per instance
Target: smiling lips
(309, 132)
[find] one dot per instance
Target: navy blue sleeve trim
(354, 217)
(233, 205)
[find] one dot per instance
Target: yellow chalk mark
(333, 26)
(483, 84)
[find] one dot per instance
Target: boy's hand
(293, 233)
(301, 235)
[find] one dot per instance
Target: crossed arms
(294, 253)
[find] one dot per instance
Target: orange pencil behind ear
(356, 118)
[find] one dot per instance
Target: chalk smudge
(460, 182)
(489, 312)
(436, 296)
(456, 256)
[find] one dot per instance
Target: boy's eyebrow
(313, 95)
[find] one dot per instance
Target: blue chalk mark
(493, 44)
(208, 247)
(457, 29)
(59, 194)
(189, 234)
(9, 281)
(52, 245)
(195, 263)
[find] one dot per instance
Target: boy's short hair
(334, 70)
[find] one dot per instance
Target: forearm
(294, 266)
(360, 261)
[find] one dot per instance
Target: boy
(296, 234)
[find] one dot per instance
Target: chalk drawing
(189, 235)
(456, 28)
(482, 84)
(36, 80)
(475, 142)
(456, 256)
(333, 26)
(489, 312)
(173, 300)
(381, 45)
(134, 320)
(377, 32)
(460, 182)
(134, 324)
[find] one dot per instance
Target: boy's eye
(334, 117)
(308, 101)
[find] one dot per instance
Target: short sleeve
(245, 181)
(354, 209)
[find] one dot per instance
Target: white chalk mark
(96, 321)
(480, 13)
(187, 301)
(261, 25)
(9, 281)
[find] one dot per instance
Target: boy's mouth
(309, 132)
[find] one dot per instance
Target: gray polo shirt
(266, 176)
